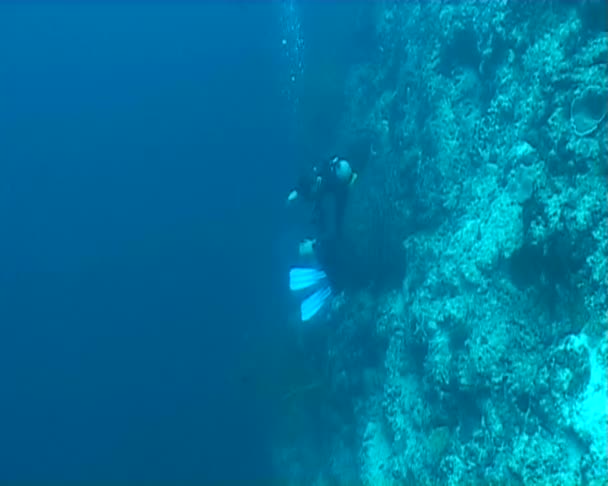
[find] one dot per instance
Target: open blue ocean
(297, 242)
(144, 161)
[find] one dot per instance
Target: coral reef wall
(483, 203)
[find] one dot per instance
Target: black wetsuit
(329, 202)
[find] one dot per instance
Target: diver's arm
(292, 196)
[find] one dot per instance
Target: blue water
(143, 150)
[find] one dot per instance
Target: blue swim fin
(303, 278)
(313, 304)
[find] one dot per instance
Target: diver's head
(343, 171)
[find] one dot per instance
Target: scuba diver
(326, 187)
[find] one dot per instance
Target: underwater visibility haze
(143, 151)
(304, 242)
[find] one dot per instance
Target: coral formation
(482, 207)
(588, 110)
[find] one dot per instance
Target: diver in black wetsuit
(326, 187)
